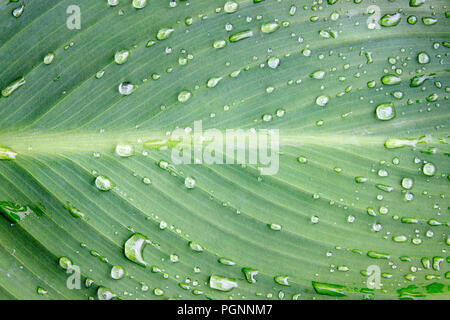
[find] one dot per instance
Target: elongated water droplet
(416, 3)
(378, 255)
(195, 246)
(134, 248)
(320, 74)
(334, 290)
(74, 211)
(7, 154)
(164, 33)
(420, 79)
(226, 261)
(222, 283)
(391, 79)
(17, 12)
(212, 82)
(270, 27)
(241, 35)
(13, 86)
(13, 212)
(390, 20)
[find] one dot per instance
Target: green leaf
(358, 91)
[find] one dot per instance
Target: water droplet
(429, 169)
(105, 294)
(103, 183)
(7, 154)
(322, 101)
(117, 272)
(283, 280)
(270, 27)
(124, 150)
(390, 20)
(407, 183)
(250, 274)
(17, 12)
(134, 248)
(195, 246)
(49, 58)
(390, 79)
(273, 62)
(126, 88)
(385, 111)
(230, 7)
(184, 96)
(328, 289)
(65, 263)
(164, 33)
(13, 86)
(423, 58)
(320, 74)
(218, 44)
(241, 35)
(139, 4)
(121, 56)
(212, 82)
(222, 283)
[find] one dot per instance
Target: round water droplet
(103, 183)
(273, 62)
(117, 272)
(407, 183)
(429, 169)
(218, 44)
(124, 150)
(230, 7)
(385, 111)
(126, 88)
(139, 4)
(121, 56)
(423, 58)
(322, 101)
(189, 182)
(113, 3)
